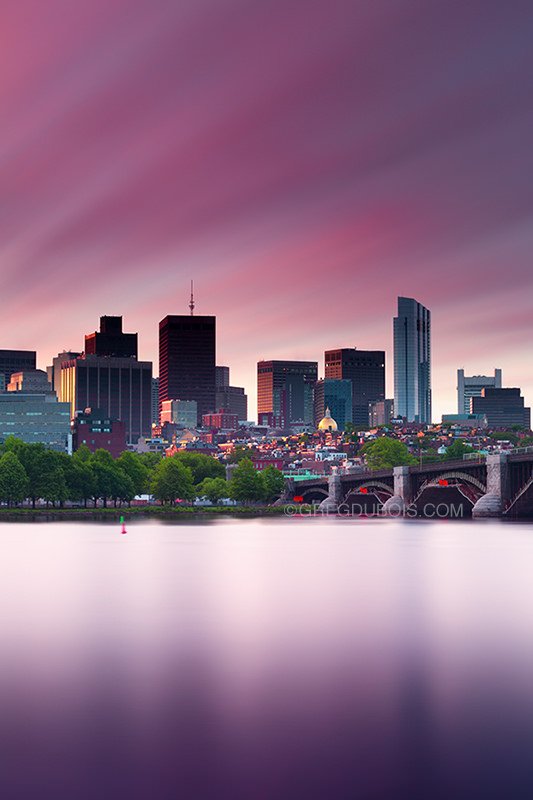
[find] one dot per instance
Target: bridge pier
(330, 505)
(403, 493)
(288, 493)
(492, 504)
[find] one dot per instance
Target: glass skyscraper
(412, 361)
(337, 396)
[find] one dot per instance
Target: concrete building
(285, 390)
(120, 387)
(337, 396)
(412, 361)
(181, 413)
(469, 386)
(221, 420)
(155, 401)
(35, 418)
(31, 381)
(465, 420)
(54, 370)
(502, 407)
(380, 412)
(232, 399)
(366, 371)
(221, 377)
(97, 431)
(16, 361)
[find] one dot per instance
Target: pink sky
(305, 162)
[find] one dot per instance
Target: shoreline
(112, 514)
(187, 514)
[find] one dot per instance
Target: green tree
(52, 486)
(103, 468)
(385, 453)
(273, 483)
(136, 470)
(32, 457)
(172, 480)
(80, 479)
(150, 459)
(201, 465)
(213, 488)
(121, 486)
(82, 454)
(14, 482)
(457, 450)
(246, 483)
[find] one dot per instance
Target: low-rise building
(465, 420)
(98, 431)
(181, 413)
(35, 419)
(380, 413)
(221, 420)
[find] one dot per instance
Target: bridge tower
(492, 504)
(403, 492)
(335, 495)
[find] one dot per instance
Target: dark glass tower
(366, 371)
(412, 361)
(187, 360)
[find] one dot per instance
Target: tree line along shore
(31, 475)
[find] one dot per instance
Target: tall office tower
(187, 346)
(111, 341)
(469, 386)
(155, 401)
(119, 388)
(337, 396)
(412, 361)
(285, 391)
(221, 377)
(366, 371)
(503, 408)
(16, 361)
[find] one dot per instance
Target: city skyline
(117, 321)
(384, 151)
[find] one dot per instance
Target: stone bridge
(495, 486)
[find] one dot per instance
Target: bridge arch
(370, 484)
(311, 494)
(456, 476)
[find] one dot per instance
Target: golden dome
(327, 423)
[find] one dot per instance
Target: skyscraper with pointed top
(187, 359)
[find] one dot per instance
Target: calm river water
(267, 660)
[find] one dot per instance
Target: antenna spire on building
(191, 302)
